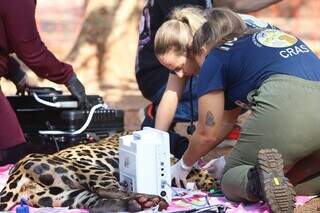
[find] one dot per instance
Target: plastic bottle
(23, 208)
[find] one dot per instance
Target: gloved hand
(77, 90)
(179, 173)
(215, 167)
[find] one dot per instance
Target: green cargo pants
(286, 116)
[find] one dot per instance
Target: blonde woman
(173, 42)
(176, 34)
(151, 75)
(278, 76)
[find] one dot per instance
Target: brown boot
(267, 181)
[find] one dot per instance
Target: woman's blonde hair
(223, 25)
(176, 34)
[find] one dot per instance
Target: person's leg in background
(285, 117)
(178, 143)
(183, 111)
(12, 141)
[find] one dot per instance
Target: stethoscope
(191, 128)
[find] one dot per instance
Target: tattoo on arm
(210, 119)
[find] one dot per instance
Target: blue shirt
(241, 65)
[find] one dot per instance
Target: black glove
(77, 90)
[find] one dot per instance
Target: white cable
(60, 104)
(85, 125)
(47, 103)
(67, 104)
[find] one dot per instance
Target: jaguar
(83, 176)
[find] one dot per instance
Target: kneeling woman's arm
(213, 127)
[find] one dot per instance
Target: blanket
(190, 200)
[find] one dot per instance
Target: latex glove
(215, 167)
(179, 173)
(77, 90)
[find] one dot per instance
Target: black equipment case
(34, 116)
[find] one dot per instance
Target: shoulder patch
(274, 38)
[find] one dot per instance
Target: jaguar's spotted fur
(83, 176)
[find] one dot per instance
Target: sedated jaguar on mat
(83, 176)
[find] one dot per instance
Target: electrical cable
(63, 104)
(79, 131)
(52, 137)
(85, 125)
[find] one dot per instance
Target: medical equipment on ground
(144, 162)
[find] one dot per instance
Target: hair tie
(184, 20)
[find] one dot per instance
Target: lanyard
(191, 128)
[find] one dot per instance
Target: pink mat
(191, 200)
(198, 199)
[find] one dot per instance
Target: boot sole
(277, 190)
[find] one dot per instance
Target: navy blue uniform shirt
(241, 65)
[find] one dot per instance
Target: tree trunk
(109, 35)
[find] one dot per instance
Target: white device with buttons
(144, 162)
